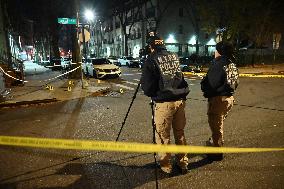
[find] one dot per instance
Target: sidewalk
(35, 91)
(263, 69)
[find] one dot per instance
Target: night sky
(35, 9)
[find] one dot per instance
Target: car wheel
(127, 64)
(185, 69)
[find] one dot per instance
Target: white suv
(101, 68)
(128, 61)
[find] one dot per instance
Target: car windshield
(100, 61)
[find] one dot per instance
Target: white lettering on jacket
(169, 64)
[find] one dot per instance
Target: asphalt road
(256, 120)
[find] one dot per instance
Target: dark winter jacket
(162, 79)
(221, 78)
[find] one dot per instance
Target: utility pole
(84, 49)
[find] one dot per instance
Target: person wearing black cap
(163, 81)
(218, 86)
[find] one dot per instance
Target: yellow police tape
(241, 75)
(256, 75)
(121, 146)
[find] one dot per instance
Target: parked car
(66, 62)
(129, 61)
(142, 61)
(59, 63)
(101, 68)
(113, 59)
(187, 66)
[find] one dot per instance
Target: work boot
(183, 169)
(166, 169)
(213, 157)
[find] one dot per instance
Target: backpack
(232, 76)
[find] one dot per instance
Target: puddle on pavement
(107, 93)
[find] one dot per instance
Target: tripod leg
(123, 123)
(154, 142)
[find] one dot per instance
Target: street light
(89, 15)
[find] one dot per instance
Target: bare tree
(193, 16)
(253, 21)
(127, 12)
(161, 10)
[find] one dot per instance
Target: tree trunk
(126, 45)
(76, 58)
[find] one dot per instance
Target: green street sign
(67, 20)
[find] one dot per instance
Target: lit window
(192, 40)
(171, 39)
(211, 42)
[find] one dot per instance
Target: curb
(9, 104)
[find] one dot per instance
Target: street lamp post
(82, 79)
(89, 17)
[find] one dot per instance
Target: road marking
(128, 74)
(132, 73)
(130, 82)
(121, 146)
(125, 87)
(136, 80)
(191, 84)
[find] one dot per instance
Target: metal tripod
(153, 125)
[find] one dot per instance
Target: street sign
(276, 40)
(67, 20)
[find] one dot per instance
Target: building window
(180, 12)
(180, 29)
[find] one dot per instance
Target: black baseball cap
(156, 42)
(225, 48)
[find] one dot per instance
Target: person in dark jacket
(219, 86)
(163, 81)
